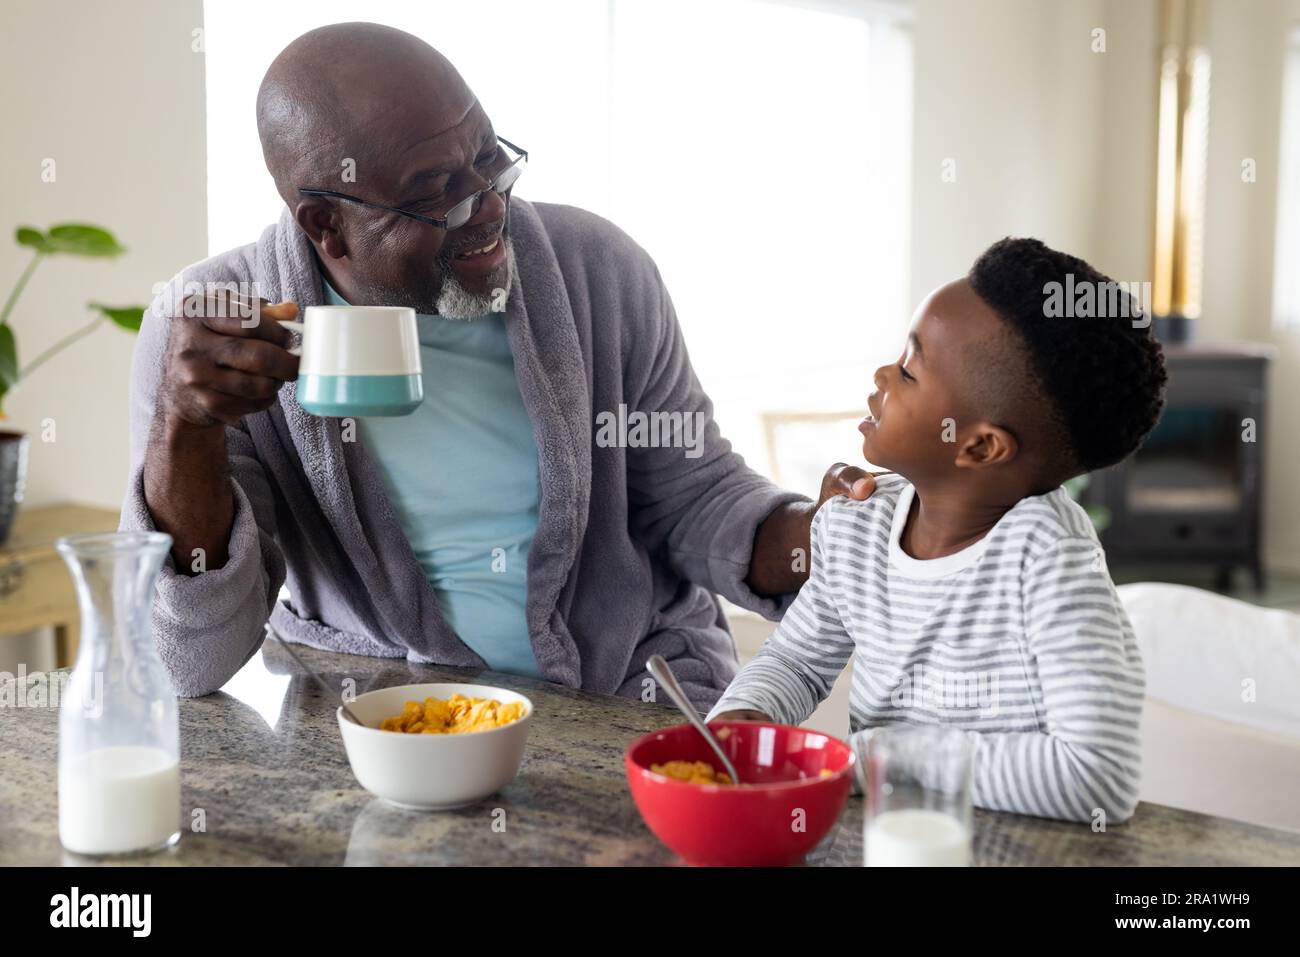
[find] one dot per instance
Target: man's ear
(319, 220)
(985, 445)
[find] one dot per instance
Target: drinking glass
(918, 797)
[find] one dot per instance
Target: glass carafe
(119, 731)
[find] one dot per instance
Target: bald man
(501, 525)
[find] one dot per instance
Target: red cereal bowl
(774, 821)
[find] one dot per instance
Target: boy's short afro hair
(1104, 375)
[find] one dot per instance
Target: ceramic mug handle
(293, 325)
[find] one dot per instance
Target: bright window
(758, 149)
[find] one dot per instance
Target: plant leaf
(8, 358)
(127, 317)
(80, 239)
(30, 236)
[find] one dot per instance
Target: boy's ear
(986, 445)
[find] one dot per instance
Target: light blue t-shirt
(461, 473)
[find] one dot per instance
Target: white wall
(1008, 90)
(113, 93)
(1055, 141)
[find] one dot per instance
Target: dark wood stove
(1193, 492)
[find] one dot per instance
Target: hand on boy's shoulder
(847, 480)
(856, 489)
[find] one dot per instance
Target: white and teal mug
(358, 360)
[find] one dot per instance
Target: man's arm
(196, 477)
(784, 536)
(221, 359)
(186, 484)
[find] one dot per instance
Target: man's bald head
(385, 106)
(325, 97)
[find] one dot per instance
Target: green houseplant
(68, 239)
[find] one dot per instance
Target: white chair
(1221, 726)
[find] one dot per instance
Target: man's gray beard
(457, 302)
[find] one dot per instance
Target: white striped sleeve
(797, 666)
(1087, 758)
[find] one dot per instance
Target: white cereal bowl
(430, 772)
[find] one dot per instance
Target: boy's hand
(742, 714)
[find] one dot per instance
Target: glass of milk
(119, 732)
(918, 797)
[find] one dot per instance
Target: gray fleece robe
(631, 543)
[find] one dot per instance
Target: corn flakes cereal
(692, 772)
(456, 715)
(700, 772)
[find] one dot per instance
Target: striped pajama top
(1019, 639)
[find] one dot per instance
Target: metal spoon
(318, 679)
(659, 669)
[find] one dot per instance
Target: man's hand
(742, 714)
(841, 479)
(782, 545)
(226, 358)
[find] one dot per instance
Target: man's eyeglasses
(463, 211)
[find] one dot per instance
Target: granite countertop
(264, 762)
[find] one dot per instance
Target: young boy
(969, 590)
